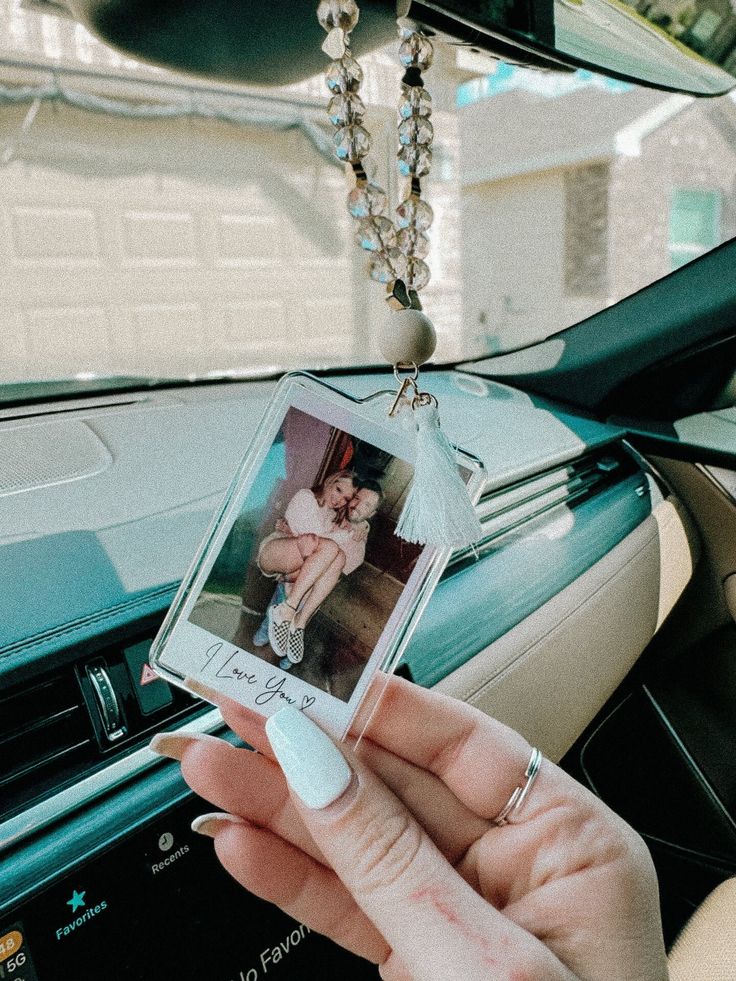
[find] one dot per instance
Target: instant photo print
(302, 591)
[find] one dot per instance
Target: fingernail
(173, 744)
(197, 687)
(314, 767)
(210, 824)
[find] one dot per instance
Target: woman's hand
(307, 545)
(359, 532)
(391, 849)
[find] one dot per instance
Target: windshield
(155, 226)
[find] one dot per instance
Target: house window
(586, 230)
(695, 224)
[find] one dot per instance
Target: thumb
(436, 924)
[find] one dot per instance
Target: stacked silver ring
(521, 793)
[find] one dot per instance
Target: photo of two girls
(311, 570)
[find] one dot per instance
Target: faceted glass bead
(413, 243)
(345, 109)
(338, 13)
(416, 101)
(398, 261)
(381, 269)
(366, 200)
(416, 52)
(416, 129)
(344, 76)
(414, 212)
(417, 274)
(414, 161)
(405, 27)
(352, 143)
(375, 234)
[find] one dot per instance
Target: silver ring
(521, 793)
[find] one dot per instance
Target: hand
(406, 868)
(307, 545)
(282, 527)
(359, 532)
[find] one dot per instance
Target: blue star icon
(76, 901)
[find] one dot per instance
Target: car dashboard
(104, 501)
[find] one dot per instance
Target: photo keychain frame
(345, 511)
(315, 447)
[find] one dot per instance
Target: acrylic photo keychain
(303, 592)
(338, 526)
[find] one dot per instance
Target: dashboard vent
(87, 406)
(505, 511)
(73, 722)
(45, 731)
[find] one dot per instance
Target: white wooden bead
(406, 336)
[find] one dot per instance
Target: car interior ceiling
(608, 639)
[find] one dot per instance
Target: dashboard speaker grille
(49, 453)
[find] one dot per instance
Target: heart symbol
(307, 701)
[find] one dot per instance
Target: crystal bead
(414, 212)
(352, 143)
(414, 161)
(416, 129)
(417, 274)
(367, 199)
(375, 234)
(381, 269)
(416, 101)
(345, 109)
(334, 45)
(405, 27)
(398, 261)
(416, 52)
(413, 243)
(344, 76)
(338, 13)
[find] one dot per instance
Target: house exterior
(572, 201)
(225, 241)
(190, 243)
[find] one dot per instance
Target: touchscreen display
(160, 908)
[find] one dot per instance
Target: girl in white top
(305, 516)
(312, 553)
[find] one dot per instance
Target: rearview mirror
(683, 45)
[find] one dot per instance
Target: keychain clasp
(406, 383)
(417, 398)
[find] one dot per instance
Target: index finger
(244, 722)
(479, 759)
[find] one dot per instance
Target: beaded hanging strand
(398, 247)
(437, 510)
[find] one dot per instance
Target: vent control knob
(111, 715)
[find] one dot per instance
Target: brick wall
(690, 151)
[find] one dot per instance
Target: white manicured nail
(314, 767)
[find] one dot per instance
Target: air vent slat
(509, 509)
(36, 724)
(40, 727)
(32, 766)
(495, 507)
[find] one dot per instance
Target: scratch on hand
(435, 896)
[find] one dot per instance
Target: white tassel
(438, 510)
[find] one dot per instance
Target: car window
(157, 225)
